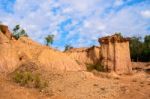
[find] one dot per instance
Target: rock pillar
(115, 54)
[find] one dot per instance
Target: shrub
(68, 47)
(49, 39)
(29, 79)
(17, 32)
(97, 67)
(39, 83)
(22, 78)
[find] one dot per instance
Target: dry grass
(97, 67)
(29, 79)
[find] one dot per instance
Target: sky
(77, 22)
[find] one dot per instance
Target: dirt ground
(82, 85)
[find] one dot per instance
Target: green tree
(16, 28)
(147, 41)
(146, 49)
(140, 51)
(136, 48)
(18, 32)
(67, 47)
(49, 39)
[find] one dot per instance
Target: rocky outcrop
(84, 56)
(13, 53)
(8, 54)
(115, 54)
(4, 29)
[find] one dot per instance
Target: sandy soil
(82, 85)
(10, 90)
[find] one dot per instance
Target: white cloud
(90, 19)
(146, 13)
(118, 2)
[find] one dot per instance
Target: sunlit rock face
(14, 52)
(4, 29)
(84, 56)
(115, 54)
(8, 53)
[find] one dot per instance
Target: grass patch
(29, 79)
(97, 67)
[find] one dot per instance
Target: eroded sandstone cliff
(84, 56)
(115, 54)
(13, 53)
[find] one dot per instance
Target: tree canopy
(140, 50)
(49, 39)
(18, 32)
(67, 47)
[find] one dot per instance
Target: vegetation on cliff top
(18, 32)
(49, 39)
(68, 47)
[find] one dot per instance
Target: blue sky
(77, 22)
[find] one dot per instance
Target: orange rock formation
(115, 54)
(13, 53)
(85, 56)
(4, 29)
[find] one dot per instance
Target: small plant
(97, 67)
(49, 39)
(68, 47)
(22, 78)
(39, 83)
(29, 79)
(17, 32)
